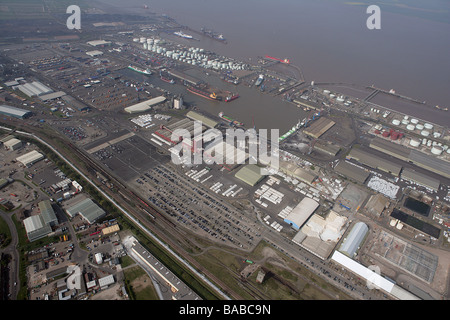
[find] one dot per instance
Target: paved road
(11, 250)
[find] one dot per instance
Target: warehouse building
(320, 235)
(301, 213)
(34, 88)
(30, 158)
(421, 179)
(199, 117)
(296, 172)
(327, 148)
(250, 174)
(145, 105)
(12, 144)
(47, 213)
(354, 239)
(36, 228)
(14, 112)
(377, 280)
(430, 163)
(416, 157)
(96, 43)
(394, 149)
(319, 127)
(94, 53)
(374, 161)
(352, 171)
(376, 205)
(87, 208)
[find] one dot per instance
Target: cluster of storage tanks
(425, 130)
(192, 55)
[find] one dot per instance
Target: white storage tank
(414, 143)
(414, 121)
(406, 118)
(419, 126)
(425, 133)
(405, 121)
(428, 126)
(396, 122)
(436, 150)
(410, 127)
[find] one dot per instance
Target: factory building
(30, 158)
(90, 211)
(145, 105)
(354, 239)
(352, 171)
(301, 213)
(14, 112)
(421, 179)
(250, 174)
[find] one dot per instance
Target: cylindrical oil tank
(410, 127)
(425, 133)
(396, 122)
(428, 126)
(414, 142)
(414, 121)
(419, 126)
(405, 122)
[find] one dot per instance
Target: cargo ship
(259, 80)
(182, 35)
(230, 79)
(293, 130)
(212, 34)
(166, 79)
(280, 60)
(231, 97)
(137, 69)
(230, 120)
(204, 94)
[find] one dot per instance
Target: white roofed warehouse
(30, 158)
(87, 209)
(36, 228)
(14, 112)
(354, 239)
(301, 213)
